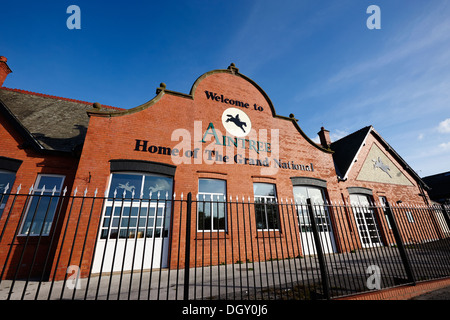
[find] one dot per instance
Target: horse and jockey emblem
(379, 164)
(236, 122)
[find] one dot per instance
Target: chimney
(324, 136)
(4, 70)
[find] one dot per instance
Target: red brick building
(221, 141)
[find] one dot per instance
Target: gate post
(187, 251)
(323, 268)
(400, 246)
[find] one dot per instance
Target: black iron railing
(168, 247)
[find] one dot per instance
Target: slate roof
(440, 186)
(347, 148)
(48, 123)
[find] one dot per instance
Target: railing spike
(6, 188)
(64, 191)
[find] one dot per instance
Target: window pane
(138, 217)
(266, 210)
(204, 214)
(272, 216)
(106, 222)
(211, 210)
(212, 186)
(264, 189)
(219, 212)
(142, 222)
(261, 222)
(359, 199)
(42, 209)
(50, 182)
(156, 184)
(121, 182)
(40, 215)
(316, 195)
(5, 179)
(300, 194)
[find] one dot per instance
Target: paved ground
(297, 278)
(440, 294)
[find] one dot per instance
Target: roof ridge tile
(44, 95)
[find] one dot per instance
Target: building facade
(222, 142)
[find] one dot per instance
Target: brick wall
(34, 163)
(114, 137)
(160, 122)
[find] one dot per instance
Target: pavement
(440, 294)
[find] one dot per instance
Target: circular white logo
(236, 122)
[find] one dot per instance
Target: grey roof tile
(56, 123)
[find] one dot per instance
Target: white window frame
(383, 201)
(128, 204)
(409, 216)
(360, 212)
(265, 202)
(213, 205)
(4, 196)
(321, 212)
(38, 192)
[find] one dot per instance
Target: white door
(134, 232)
(365, 221)
(322, 218)
(135, 239)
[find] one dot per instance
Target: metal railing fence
(169, 247)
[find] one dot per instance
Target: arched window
(315, 189)
(361, 201)
(211, 209)
(266, 208)
(8, 169)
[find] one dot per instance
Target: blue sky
(315, 59)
